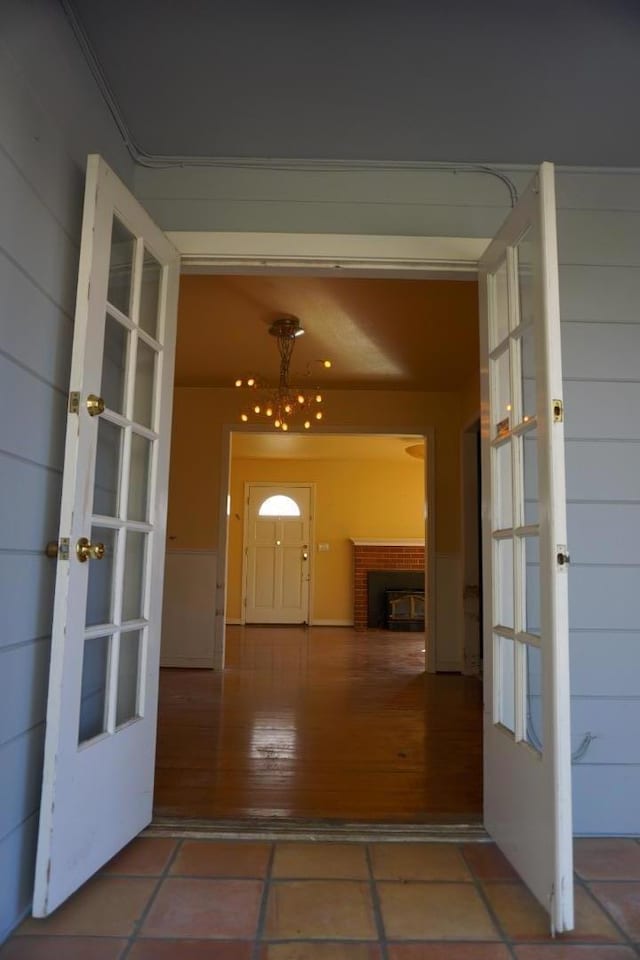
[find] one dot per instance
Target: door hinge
(562, 556)
(74, 401)
(558, 411)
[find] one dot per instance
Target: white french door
(277, 552)
(527, 761)
(101, 715)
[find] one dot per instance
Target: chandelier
(286, 404)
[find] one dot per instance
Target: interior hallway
(320, 723)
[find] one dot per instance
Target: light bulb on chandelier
(282, 405)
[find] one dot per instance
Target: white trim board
(304, 252)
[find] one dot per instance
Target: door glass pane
(128, 674)
(500, 306)
(506, 691)
(114, 362)
(100, 586)
(150, 294)
(532, 585)
(533, 729)
(526, 251)
(139, 477)
(133, 586)
(107, 475)
(501, 413)
(530, 476)
(95, 664)
(143, 394)
(527, 374)
(120, 267)
(504, 583)
(502, 487)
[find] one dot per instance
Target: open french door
(97, 789)
(527, 760)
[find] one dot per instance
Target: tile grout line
(479, 888)
(137, 927)
(262, 913)
(376, 905)
(626, 938)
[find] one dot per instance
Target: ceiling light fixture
(286, 404)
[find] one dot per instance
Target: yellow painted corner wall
(353, 498)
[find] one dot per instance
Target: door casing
(354, 255)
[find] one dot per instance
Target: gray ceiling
(497, 81)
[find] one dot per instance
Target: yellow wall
(354, 498)
(200, 416)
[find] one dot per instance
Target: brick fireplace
(380, 555)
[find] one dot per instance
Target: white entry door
(101, 716)
(527, 761)
(277, 551)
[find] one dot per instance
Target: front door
(277, 553)
(527, 762)
(97, 787)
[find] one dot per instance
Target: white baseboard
(331, 623)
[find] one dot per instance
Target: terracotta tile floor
(164, 899)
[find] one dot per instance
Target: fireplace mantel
(380, 542)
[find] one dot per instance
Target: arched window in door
(279, 506)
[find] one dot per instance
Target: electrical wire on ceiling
(156, 162)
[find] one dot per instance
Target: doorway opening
(379, 702)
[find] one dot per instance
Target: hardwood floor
(320, 723)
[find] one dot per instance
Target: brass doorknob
(85, 550)
(95, 405)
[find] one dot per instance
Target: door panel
(277, 554)
(101, 713)
(526, 725)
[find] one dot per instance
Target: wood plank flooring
(320, 723)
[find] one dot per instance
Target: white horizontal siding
(599, 237)
(613, 722)
(26, 597)
(21, 763)
(375, 216)
(27, 661)
(51, 116)
(30, 323)
(602, 294)
(17, 863)
(604, 533)
(604, 663)
(616, 787)
(602, 410)
(601, 351)
(36, 427)
(604, 598)
(602, 470)
(41, 487)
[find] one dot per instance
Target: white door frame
(285, 485)
(325, 255)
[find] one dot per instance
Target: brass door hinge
(558, 411)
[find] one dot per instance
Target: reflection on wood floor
(320, 723)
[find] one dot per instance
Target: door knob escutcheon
(85, 550)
